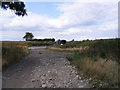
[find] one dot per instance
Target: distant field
(29, 43)
(98, 59)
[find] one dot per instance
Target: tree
(15, 5)
(28, 36)
(72, 40)
(63, 42)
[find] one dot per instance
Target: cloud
(33, 20)
(75, 31)
(86, 13)
(108, 26)
(76, 19)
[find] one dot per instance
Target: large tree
(15, 5)
(28, 36)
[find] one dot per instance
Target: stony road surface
(43, 68)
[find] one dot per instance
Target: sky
(62, 20)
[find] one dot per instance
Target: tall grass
(12, 52)
(106, 71)
(100, 60)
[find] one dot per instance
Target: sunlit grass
(69, 49)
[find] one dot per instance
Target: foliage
(28, 36)
(16, 5)
(46, 39)
(63, 42)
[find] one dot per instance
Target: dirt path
(43, 69)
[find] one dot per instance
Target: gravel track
(43, 68)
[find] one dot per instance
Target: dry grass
(105, 70)
(98, 59)
(81, 49)
(101, 69)
(12, 52)
(27, 43)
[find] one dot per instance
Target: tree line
(29, 37)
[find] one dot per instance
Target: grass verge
(98, 59)
(105, 73)
(12, 52)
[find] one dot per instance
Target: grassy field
(98, 59)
